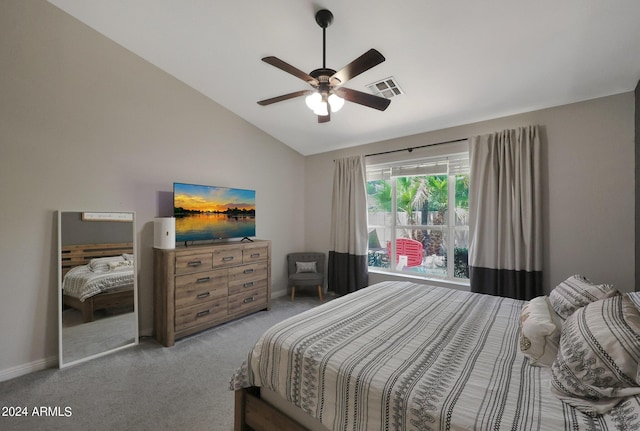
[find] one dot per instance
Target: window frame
(449, 230)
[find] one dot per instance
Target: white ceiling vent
(387, 88)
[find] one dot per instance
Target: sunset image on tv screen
(211, 212)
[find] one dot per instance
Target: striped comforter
(404, 356)
(81, 282)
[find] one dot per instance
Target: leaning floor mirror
(97, 287)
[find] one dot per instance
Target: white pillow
(599, 357)
(306, 267)
(575, 292)
(123, 264)
(540, 330)
(101, 264)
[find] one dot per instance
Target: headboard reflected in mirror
(97, 284)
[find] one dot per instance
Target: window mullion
(394, 222)
(451, 210)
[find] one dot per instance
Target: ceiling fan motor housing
(324, 18)
(323, 76)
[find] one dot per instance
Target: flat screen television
(213, 213)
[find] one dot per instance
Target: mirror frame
(126, 216)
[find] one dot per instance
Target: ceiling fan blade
(276, 62)
(324, 118)
(361, 64)
(284, 97)
(365, 99)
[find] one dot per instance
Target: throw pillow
(540, 330)
(101, 264)
(306, 267)
(575, 292)
(599, 355)
(124, 264)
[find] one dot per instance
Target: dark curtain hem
(347, 272)
(509, 283)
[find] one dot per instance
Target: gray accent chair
(305, 279)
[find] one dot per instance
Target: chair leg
(293, 292)
(320, 292)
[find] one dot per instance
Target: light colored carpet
(147, 387)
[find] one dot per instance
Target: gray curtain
(505, 214)
(348, 269)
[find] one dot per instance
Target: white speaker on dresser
(164, 233)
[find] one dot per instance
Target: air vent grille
(387, 88)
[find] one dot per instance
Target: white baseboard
(31, 367)
(278, 293)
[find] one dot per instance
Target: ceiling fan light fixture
(321, 109)
(313, 100)
(336, 102)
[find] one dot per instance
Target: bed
(97, 277)
(405, 356)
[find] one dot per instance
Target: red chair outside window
(407, 247)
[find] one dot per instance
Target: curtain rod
(410, 149)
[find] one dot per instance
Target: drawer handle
(248, 271)
(203, 279)
(195, 263)
(255, 254)
(203, 313)
(250, 299)
(227, 258)
(248, 284)
(203, 295)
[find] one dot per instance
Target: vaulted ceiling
(456, 62)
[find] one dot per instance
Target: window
(418, 217)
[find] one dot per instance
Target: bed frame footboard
(100, 301)
(252, 413)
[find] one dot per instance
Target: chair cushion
(306, 279)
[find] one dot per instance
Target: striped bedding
(82, 283)
(405, 356)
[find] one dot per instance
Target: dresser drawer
(247, 285)
(193, 263)
(245, 273)
(200, 314)
(255, 254)
(227, 257)
(249, 299)
(192, 289)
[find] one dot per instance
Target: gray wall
(74, 230)
(86, 125)
(588, 161)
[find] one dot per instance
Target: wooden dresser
(201, 286)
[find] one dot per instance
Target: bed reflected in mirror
(97, 294)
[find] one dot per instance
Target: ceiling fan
(328, 95)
